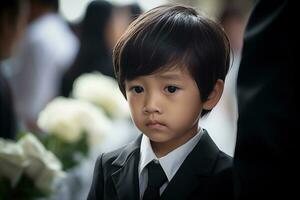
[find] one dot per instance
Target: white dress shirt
(170, 162)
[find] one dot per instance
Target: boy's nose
(152, 105)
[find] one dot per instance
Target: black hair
(173, 35)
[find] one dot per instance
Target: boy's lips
(153, 124)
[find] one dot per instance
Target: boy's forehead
(172, 73)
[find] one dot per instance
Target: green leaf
(70, 154)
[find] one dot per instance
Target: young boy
(170, 64)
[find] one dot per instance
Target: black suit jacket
(267, 103)
(200, 175)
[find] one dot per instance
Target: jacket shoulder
(110, 157)
(223, 162)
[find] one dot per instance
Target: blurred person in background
(47, 49)
(134, 11)
(13, 15)
(233, 18)
(96, 43)
(124, 15)
(265, 154)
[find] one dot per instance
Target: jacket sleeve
(96, 190)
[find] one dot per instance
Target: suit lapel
(125, 179)
(194, 172)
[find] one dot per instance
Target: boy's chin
(158, 137)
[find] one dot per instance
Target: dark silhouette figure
(95, 50)
(265, 154)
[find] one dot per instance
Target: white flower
(69, 118)
(28, 156)
(103, 91)
(60, 117)
(43, 168)
(12, 161)
(94, 123)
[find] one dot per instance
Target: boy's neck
(163, 148)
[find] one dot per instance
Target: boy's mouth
(153, 124)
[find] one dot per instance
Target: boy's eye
(137, 89)
(171, 89)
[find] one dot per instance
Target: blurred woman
(96, 39)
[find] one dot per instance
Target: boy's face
(165, 106)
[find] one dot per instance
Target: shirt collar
(170, 162)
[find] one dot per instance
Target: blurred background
(46, 45)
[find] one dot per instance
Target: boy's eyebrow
(170, 76)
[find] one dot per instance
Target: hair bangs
(158, 46)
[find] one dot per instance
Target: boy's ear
(214, 96)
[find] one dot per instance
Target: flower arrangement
(72, 127)
(103, 91)
(27, 169)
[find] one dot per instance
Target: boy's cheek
(134, 111)
(137, 121)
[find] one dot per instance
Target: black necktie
(156, 178)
